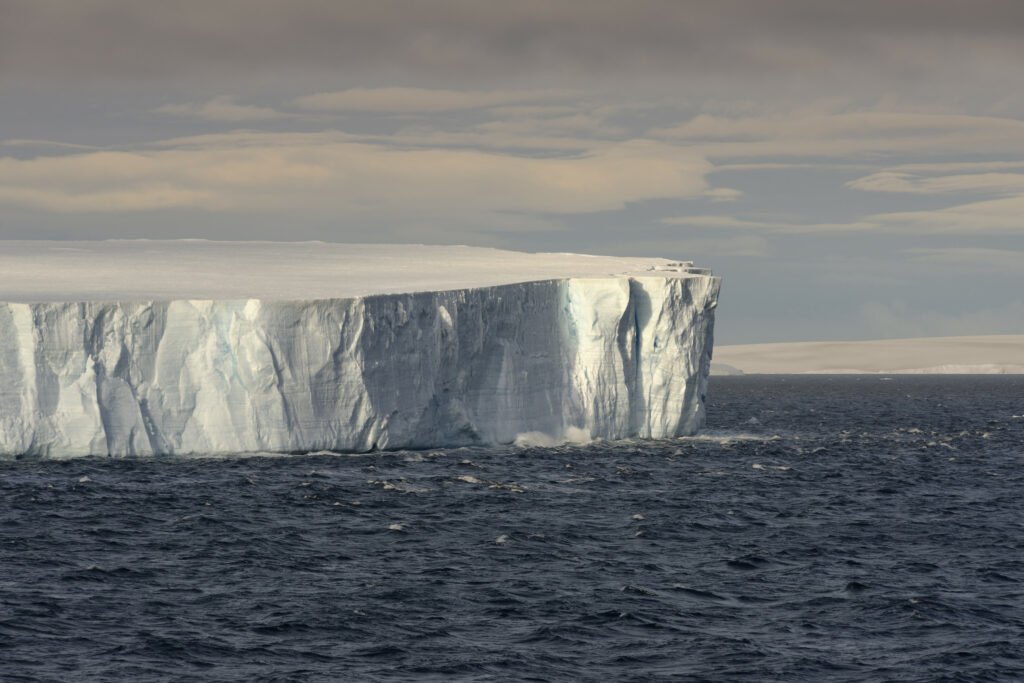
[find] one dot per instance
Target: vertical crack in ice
(94, 344)
(639, 420)
(627, 335)
(279, 382)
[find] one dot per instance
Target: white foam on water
(728, 437)
(508, 486)
(572, 435)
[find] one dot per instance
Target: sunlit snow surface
(138, 348)
(136, 270)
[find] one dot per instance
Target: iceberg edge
(610, 357)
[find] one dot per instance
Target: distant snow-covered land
(192, 347)
(996, 354)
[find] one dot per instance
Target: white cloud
(996, 216)
(223, 108)
(993, 216)
(958, 166)
(587, 124)
(901, 181)
(723, 194)
(814, 131)
(734, 223)
(43, 144)
(422, 100)
(722, 222)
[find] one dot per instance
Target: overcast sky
(852, 169)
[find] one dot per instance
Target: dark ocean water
(824, 529)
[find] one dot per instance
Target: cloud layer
(466, 40)
(330, 172)
(818, 154)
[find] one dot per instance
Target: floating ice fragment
(508, 486)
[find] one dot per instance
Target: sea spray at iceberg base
(604, 357)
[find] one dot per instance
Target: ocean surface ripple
(823, 528)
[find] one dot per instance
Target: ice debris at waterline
(143, 348)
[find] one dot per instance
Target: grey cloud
(460, 41)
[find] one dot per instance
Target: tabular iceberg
(596, 353)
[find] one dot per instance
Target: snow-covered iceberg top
(154, 270)
(149, 348)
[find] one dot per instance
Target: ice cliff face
(611, 357)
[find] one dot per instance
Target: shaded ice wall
(609, 357)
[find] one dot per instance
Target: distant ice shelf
(136, 348)
(973, 355)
